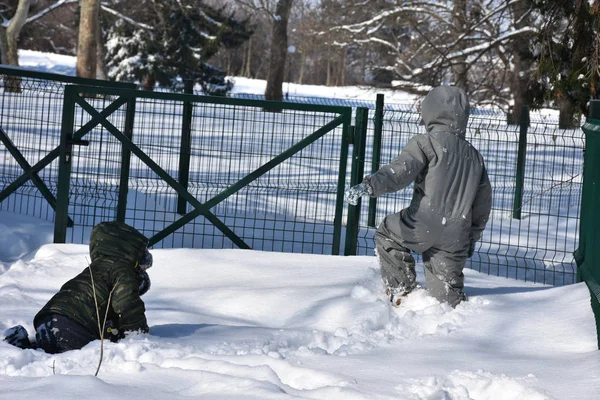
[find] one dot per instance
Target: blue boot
(18, 336)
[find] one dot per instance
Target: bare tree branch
(262, 6)
(362, 26)
(125, 18)
(50, 9)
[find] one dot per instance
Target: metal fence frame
(75, 95)
(39, 90)
(109, 101)
(588, 252)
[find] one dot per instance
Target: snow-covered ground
(59, 64)
(238, 324)
(257, 86)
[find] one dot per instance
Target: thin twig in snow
(100, 329)
(545, 191)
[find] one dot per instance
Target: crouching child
(105, 294)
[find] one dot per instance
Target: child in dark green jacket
(111, 286)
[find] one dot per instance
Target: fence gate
(194, 171)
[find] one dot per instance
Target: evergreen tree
(568, 57)
(172, 43)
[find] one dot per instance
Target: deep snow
(245, 324)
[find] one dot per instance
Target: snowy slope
(60, 64)
(239, 324)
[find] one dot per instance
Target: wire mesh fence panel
(398, 126)
(30, 123)
(291, 207)
(94, 185)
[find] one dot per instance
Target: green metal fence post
(518, 201)
(185, 154)
(588, 253)
(339, 201)
(375, 161)
(358, 167)
(125, 161)
(594, 114)
(64, 169)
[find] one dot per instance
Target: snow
(61, 64)
(243, 324)
(258, 86)
(47, 62)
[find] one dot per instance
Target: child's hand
(353, 194)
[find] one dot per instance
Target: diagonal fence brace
(50, 157)
(234, 188)
(199, 207)
(37, 181)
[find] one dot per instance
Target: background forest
(505, 53)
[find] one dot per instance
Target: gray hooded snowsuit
(451, 201)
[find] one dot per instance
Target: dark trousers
(57, 334)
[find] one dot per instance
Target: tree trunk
(14, 29)
(460, 68)
(101, 71)
(148, 82)
(343, 71)
(11, 83)
(86, 46)
(363, 66)
(279, 44)
(328, 67)
(582, 36)
(581, 39)
(522, 61)
(302, 62)
(10, 50)
(3, 46)
(188, 86)
(248, 60)
(566, 114)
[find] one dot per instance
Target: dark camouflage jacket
(115, 249)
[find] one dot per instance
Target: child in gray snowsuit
(450, 206)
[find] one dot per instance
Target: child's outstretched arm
(400, 172)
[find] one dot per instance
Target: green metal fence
(193, 171)
(186, 170)
(588, 252)
(535, 169)
(30, 122)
